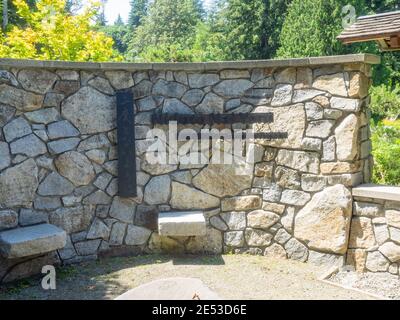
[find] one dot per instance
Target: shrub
(385, 102)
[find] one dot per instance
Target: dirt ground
(230, 276)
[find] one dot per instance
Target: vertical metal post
(127, 184)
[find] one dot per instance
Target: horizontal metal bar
(210, 119)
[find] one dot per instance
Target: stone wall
(58, 159)
(375, 229)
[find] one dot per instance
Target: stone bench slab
(30, 241)
(377, 192)
(181, 224)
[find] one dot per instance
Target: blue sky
(122, 7)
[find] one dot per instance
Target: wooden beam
(394, 42)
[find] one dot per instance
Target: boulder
(325, 221)
(20, 99)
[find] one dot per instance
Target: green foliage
(385, 101)
(138, 11)
(386, 152)
(119, 32)
(167, 33)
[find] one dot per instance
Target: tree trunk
(5, 14)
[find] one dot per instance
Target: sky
(122, 7)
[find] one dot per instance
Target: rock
(94, 142)
(234, 238)
(185, 197)
(143, 89)
(211, 243)
(53, 99)
(46, 203)
(61, 129)
(273, 207)
(272, 193)
(221, 180)
(261, 219)
(146, 104)
(311, 144)
(87, 248)
(43, 116)
(325, 259)
(123, 209)
(8, 219)
(258, 238)
(8, 77)
(241, 203)
(313, 183)
(157, 169)
(391, 251)
(338, 167)
(137, 236)
(333, 83)
(211, 104)
(16, 129)
(393, 218)
(90, 111)
(282, 236)
(290, 119)
(120, 79)
(376, 262)
(288, 219)
(218, 223)
(102, 85)
(74, 219)
(368, 209)
(325, 221)
(18, 184)
(303, 95)
(320, 128)
(117, 234)
(346, 138)
(29, 217)
(332, 114)
(103, 180)
(282, 95)
(329, 149)
(158, 190)
(176, 106)
(66, 87)
(357, 258)
(55, 185)
(203, 80)
(70, 75)
(287, 178)
(233, 88)
(193, 97)
(6, 114)
(36, 80)
(314, 111)
(299, 160)
(169, 89)
(275, 251)
(234, 220)
(97, 198)
(5, 159)
(31, 146)
(63, 145)
(76, 168)
(112, 188)
(20, 99)
(345, 104)
(112, 167)
(359, 85)
(264, 169)
(98, 230)
(296, 250)
(381, 233)
(234, 74)
(295, 197)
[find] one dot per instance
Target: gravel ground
(230, 276)
(381, 284)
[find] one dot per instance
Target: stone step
(182, 224)
(30, 241)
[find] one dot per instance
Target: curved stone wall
(58, 158)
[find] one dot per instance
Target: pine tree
(138, 11)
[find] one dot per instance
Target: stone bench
(181, 224)
(375, 191)
(30, 241)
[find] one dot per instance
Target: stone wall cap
(194, 67)
(377, 192)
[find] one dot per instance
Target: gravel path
(382, 284)
(231, 276)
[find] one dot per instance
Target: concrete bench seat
(30, 241)
(182, 224)
(375, 191)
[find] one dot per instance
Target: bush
(386, 152)
(385, 102)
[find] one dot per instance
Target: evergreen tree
(138, 11)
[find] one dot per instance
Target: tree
(168, 31)
(54, 34)
(119, 33)
(138, 11)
